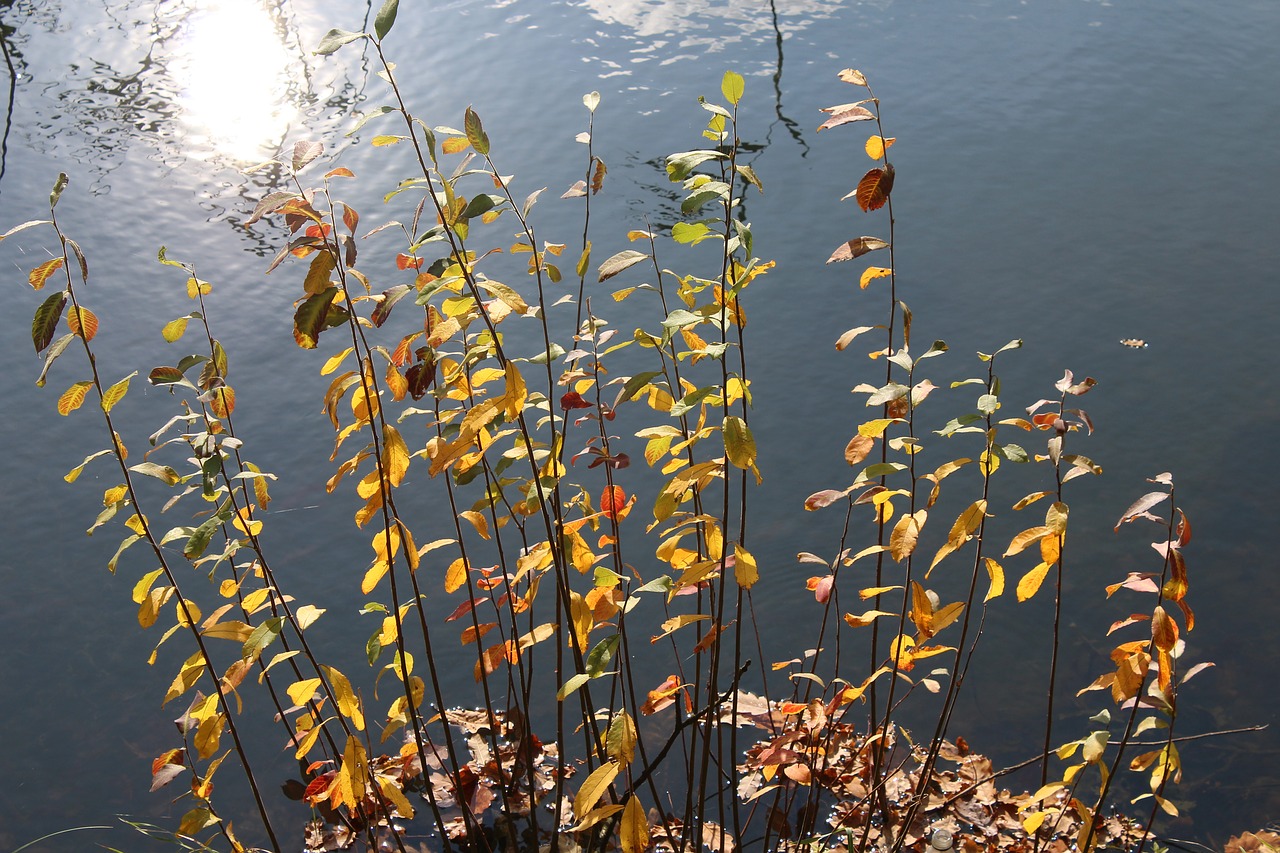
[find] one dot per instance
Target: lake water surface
(1069, 172)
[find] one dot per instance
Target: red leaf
(821, 587)
(612, 501)
(573, 400)
(403, 262)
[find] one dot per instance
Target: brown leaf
(845, 114)
(854, 76)
(858, 448)
(874, 188)
(856, 248)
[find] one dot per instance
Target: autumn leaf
(612, 501)
(856, 248)
(872, 273)
(845, 114)
(874, 188)
(40, 275)
(877, 145)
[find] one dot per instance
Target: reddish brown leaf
(573, 400)
(874, 188)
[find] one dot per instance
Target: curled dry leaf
(854, 76)
(846, 114)
(856, 248)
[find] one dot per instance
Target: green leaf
(45, 321)
(677, 320)
(637, 382)
(600, 655)
(550, 355)
(167, 376)
(335, 39)
(571, 686)
(691, 232)
(198, 541)
(262, 636)
(689, 401)
(732, 86)
(680, 165)
(619, 262)
(475, 133)
(386, 18)
(58, 187)
(309, 319)
(367, 117)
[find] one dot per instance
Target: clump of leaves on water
(554, 570)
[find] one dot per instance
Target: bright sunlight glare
(235, 80)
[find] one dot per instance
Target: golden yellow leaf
(876, 146)
(996, 573)
(905, 534)
(302, 691)
(73, 397)
(395, 455)
(334, 361)
(40, 275)
(196, 287)
(594, 787)
(456, 575)
(1031, 581)
(744, 567)
(352, 780)
(872, 273)
(634, 831)
(345, 698)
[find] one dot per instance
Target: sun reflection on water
(235, 80)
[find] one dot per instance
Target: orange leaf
(40, 275)
(612, 500)
(224, 401)
(874, 188)
(83, 322)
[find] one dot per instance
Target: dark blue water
(1072, 173)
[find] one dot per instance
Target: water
(1070, 173)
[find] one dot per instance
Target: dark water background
(1071, 173)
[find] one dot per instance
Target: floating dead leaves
(1134, 343)
(808, 745)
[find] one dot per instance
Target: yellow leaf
(395, 455)
(875, 428)
(744, 567)
(387, 139)
(872, 273)
(173, 329)
(456, 575)
(73, 397)
(478, 521)
(308, 741)
(1050, 549)
(1025, 538)
(621, 738)
(396, 797)
(905, 534)
(196, 287)
(873, 591)
(454, 144)
(594, 787)
(302, 691)
(634, 831)
(1056, 518)
(996, 573)
(1032, 822)
(1031, 581)
(334, 361)
(353, 775)
(345, 697)
(116, 392)
(877, 144)
(40, 275)
(513, 399)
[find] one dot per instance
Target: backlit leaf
(877, 145)
(1141, 505)
(222, 401)
(475, 132)
(73, 397)
(612, 501)
(45, 321)
(744, 567)
(739, 445)
(996, 573)
(732, 87)
(856, 248)
(395, 455)
(310, 318)
(634, 831)
(852, 75)
(874, 188)
(858, 448)
(902, 542)
(594, 787)
(1031, 581)
(116, 392)
(40, 275)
